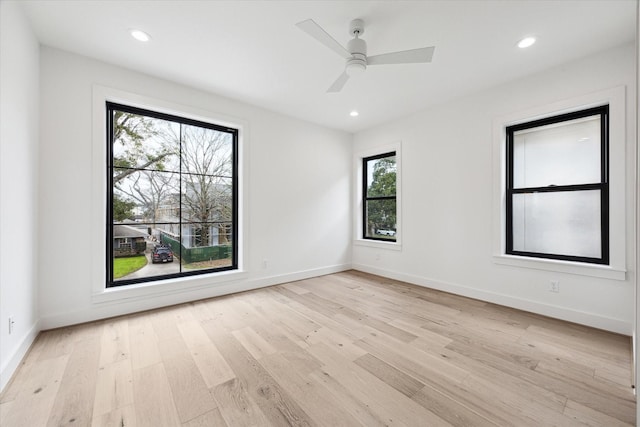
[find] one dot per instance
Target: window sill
(602, 271)
(394, 246)
(165, 287)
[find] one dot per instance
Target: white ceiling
(253, 52)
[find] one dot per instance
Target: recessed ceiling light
(354, 113)
(140, 35)
(526, 42)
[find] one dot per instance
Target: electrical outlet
(554, 286)
(265, 263)
(11, 324)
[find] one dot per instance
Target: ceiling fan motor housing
(358, 61)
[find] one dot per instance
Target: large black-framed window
(379, 197)
(172, 196)
(557, 192)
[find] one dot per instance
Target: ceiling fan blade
(412, 56)
(314, 30)
(339, 83)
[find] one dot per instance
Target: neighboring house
(186, 230)
(128, 241)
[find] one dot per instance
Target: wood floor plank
(275, 403)
(212, 418)
(418, 364)
(309, 395)
(358, 409)
(122, 416)
(590, 417)
(339, 342)
(114, 341)
(297, 356)
(557, 384)
(344, 349)
(75, 397)
(23, 371)
(38, 391)
(236, 405)
(559, 347)
(253, 342)
(153, 399)
(397, 379)
(212, 366)
(450, 410)
(4, 410)
(143, 342)
(191, 395)
(383, 399)
(190, 392)
(485, 366)
(210, 363)
(114, 388)
(193, 334)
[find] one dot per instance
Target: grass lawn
(127, 265)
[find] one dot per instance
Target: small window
(557, 191)
(379, 197)
(172, 197)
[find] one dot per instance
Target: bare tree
(149, 189)
(207, 181)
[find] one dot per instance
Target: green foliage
(122, 209)
(381, 214)
(384, 178)
(127, 265)
(131, 131)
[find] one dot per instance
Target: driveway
(159, 269)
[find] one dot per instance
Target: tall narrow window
(172, 196)
(379, 197)
(557, 187)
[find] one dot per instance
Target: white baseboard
(103, 311)
(580, 317)
(9, 368)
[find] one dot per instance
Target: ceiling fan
(356, 51)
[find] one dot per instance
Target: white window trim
(615, 98)
(358, 202)
(100, 294)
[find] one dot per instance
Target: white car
(386, 232)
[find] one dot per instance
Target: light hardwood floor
(345, 349)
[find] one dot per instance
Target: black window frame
(114, 106)
(366, 198)
(602, 186)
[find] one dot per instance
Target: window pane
(206, 245)
(135, 256)
(206, 198)
(145, 196)
(380, 219)
(560, 223)
(381, 177)
(143, 142)
(206, 151)
(560, 154)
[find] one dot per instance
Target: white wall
(298, 190)
(18, 186)
(636, 99)
(447, 198)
